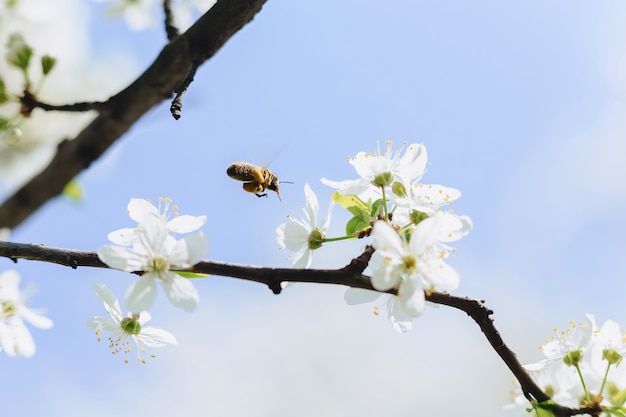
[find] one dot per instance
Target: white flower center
(159, 265)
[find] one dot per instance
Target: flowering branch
(350, 275)
(121, 111)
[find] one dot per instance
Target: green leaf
(619, 398)
(47, 63)
(544, 409)
(73, 191)
(21, 59)
(19, 52)
(353, 204)
(4, 124)
(376, 208)
(542, 412)
(355, 224)
(3, 92)
(186, 274)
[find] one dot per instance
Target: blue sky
(520, 107)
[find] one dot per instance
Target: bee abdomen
(239, 171)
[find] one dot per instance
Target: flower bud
(398, 189)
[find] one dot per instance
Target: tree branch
(350, 275)
(121, 111)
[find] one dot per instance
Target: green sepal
(377, 209)
(47, 63)
(417, 216)
(612, 356)
(190, 275)
(73, 191)
(573, 357)
(383, 180)
(355, 224)
(353, 204)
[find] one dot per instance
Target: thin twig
(170, 29)
(29, 102)
(181, 89)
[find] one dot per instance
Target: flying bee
(256, 179)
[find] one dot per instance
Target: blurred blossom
(15, 338)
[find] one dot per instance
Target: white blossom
(156, 253)
(129, 331)
(303, 236)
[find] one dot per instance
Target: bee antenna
(286, 182)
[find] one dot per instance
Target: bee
(256, 179)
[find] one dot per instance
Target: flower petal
(412, 296)
(400, 319)
(111, 305)
(292, 236)
(186, 223)
(412, 164)
(9, 285)
(36, 319)
(123, 236)
(312, 205)
(181, 292)
(387, 240)
(154, 337)
(189, 251)
(122, 258)
(138, 208)
(16, 340)
(354, 296)
(141, 294)
(103, 323)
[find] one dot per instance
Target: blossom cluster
(151, 250)
(581, 368)
(410, 224)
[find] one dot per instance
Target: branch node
(275, 287)
(358, 264)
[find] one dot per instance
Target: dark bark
(122, 110)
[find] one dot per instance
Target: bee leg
(261, 195)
